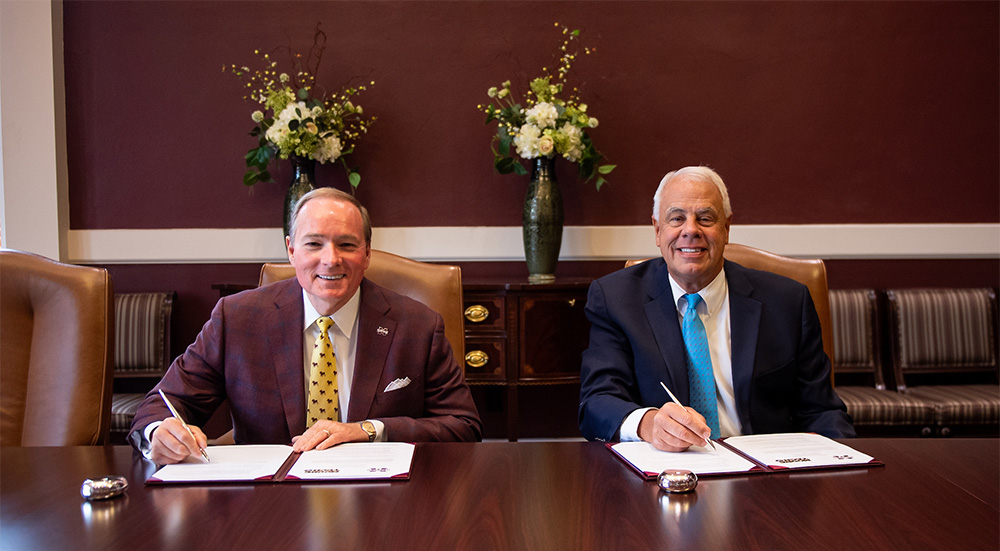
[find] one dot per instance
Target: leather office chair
(439, 286)
(810, 272)
(54, 394)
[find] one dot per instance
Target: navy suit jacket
(250, 352)
(781, 376)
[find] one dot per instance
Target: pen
(678, 402)
(186, 427)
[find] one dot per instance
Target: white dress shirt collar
(344, 318)
(713, 295)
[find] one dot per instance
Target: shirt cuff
(380, 435)
(629, 431)
(147, 443)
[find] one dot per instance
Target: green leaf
(505, 165)
(519, 169)
(303, 93)
(600, 182)
(606, 169)
(354, 178)
(505, 140)
(250, 178)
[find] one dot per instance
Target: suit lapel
(744, 322)
(375, 335)
(286, 353)
(661, 313)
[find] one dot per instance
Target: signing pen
(678, 402)
(186, 427)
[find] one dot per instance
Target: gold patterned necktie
(323, 400)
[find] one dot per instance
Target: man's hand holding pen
(173, 442)
(674, 428)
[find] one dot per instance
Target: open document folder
(759, 453)
(277, 463)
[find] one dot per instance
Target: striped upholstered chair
(142, 353)
(944, 352)
(858, 374)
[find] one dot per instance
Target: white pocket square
(397, 384)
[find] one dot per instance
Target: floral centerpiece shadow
(300, 121)
(547, 127)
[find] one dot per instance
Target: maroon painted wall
(814, 112)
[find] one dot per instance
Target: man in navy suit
(762, 333)
(395, 371)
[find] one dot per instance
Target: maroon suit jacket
(250, 353)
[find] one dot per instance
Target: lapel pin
(382, 331)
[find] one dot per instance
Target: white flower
(257, 116)
(544, 115)
(592, 122)
(279, 130)
(546, 145)
(526, 141)
(574, 145)
(328, 150)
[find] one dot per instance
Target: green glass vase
(542, 222)
(303, 181)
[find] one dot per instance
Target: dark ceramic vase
(542, 222)
(303, 181)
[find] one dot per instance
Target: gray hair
(702, 173)
(336, 194)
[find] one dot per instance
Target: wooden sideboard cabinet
(517, 334)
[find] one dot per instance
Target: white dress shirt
(714, 313)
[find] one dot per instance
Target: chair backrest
(142, 333)
(439, 286)
(854, 313)
(810, 272)
(943, 331)
(57, 333)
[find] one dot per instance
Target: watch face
(369, 427)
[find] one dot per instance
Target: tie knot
(692, 299)
(324, 323)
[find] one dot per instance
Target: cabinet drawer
(485, 359)
(483, 312)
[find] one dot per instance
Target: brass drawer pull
(476, 313)
(476, 358)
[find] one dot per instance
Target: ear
(289, 248)
(368, 256)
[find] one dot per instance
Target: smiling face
(692, 232)
(329, 252)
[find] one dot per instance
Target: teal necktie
(701, 379)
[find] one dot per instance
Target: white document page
(354, 461)
(696, 459)
(229, 463)
(797, 450)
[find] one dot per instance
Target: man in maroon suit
(396, 374)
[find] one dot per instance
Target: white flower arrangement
(301, 124)
(550, 126)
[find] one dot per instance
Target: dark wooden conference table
(930, 494)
